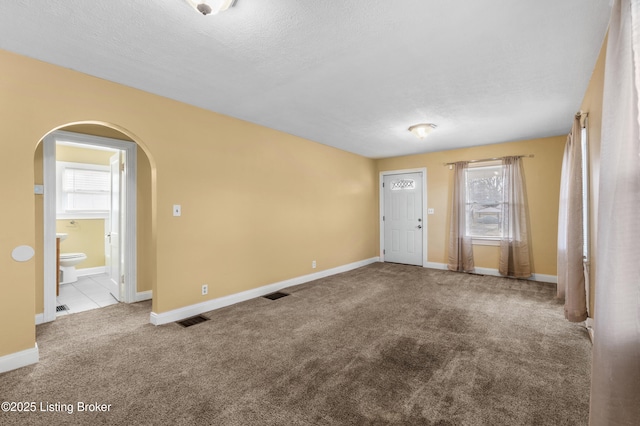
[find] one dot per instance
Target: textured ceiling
(350, 74)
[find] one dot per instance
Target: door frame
(423, 171)
(128, 252)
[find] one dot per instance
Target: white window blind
(85, 188)
(89, 181)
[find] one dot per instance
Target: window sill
(485, 242)
(83, 215)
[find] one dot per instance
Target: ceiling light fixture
(422, 130)
(211, 7)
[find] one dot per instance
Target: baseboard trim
(589, 325)
(91, 271)
(221, 302)
(19, 359)
(144, 295)
(39, 319)
(553, 279)
(436, 265)
(494, 272)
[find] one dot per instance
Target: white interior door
(112, 246)
(403, 220)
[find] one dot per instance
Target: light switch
(430, 211)
(177, 210)
(38, 189)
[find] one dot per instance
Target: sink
(61, 236)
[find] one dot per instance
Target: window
(83, 189)
(397, 185)
(484, 200)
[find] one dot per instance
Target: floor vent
(276, 295)
(188, 322)
(62, 308)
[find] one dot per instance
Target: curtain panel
(515, 260)
(460, 247)
(571, 282)
(615, 367)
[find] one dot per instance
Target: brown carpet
(383, 344)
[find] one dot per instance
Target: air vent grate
(62, 308)
(276, 295)
(188, 322)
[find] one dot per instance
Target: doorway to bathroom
(89, 222)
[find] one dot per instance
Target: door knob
(419, 226)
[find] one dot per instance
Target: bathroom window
(83, 190)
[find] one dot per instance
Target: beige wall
(592, 104)
(258, 205)
(542, 176)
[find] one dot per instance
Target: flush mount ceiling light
(211, 7)
(422, 130)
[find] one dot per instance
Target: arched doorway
(138, 254)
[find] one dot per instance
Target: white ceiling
(351, 74)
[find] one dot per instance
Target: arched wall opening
(145, 212)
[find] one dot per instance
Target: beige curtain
(460, 248)
(571, 283)
(515, 260)
(615, 374)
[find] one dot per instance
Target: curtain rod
(492, 159)
(582, 116)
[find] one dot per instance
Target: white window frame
(481, 240)
(61, 196)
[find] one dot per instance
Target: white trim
(144, 295)
(484, 242)
(425, 226)
(589, 325)
(553, 279)
(19, 359)
(49, 213)
(129, 244)
(91, 271)
(81, 216)
(436, 265)
(39, 319)
(221, 302)
(129, 240)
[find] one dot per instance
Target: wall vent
(188, 322)
(276, 295)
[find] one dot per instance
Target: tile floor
(90, 292)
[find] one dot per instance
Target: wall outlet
(205, 289)
(430, 211)
(313, 264)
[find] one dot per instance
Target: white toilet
(68, 262)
